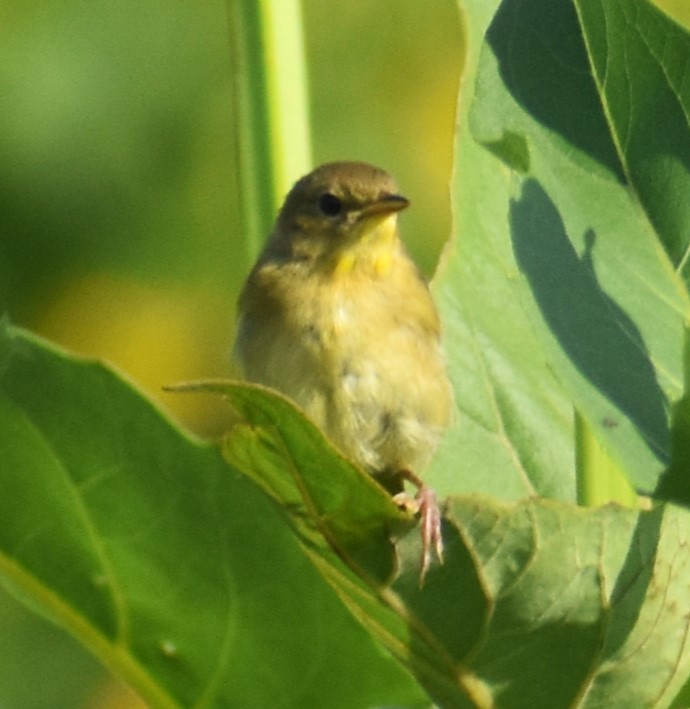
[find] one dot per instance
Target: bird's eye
(330, 205)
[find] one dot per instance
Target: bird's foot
(426, 506)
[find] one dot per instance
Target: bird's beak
(386, 205)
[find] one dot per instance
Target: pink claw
(426, 505)
(431, 529)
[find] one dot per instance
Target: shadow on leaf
(598, 337)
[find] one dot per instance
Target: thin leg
(430, 518)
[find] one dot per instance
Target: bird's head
(340, 217)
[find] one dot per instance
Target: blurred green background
(119, 223)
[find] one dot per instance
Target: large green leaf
(163, 561)
(538, 604)
(557, 291)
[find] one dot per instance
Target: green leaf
(556, 292)
(539, 603)
(171, 568)
(639, 59)
(584, 606)
(287, 456)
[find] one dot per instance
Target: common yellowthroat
(336, 316)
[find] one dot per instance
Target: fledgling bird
(336, 316)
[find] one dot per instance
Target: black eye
(330, 205)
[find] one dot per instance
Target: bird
(336, 316)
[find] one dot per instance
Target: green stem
(272, 115)
(600, 479)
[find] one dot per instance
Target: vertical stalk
(272, 114)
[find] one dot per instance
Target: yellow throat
(372, 248)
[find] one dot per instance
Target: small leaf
(290, 459)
